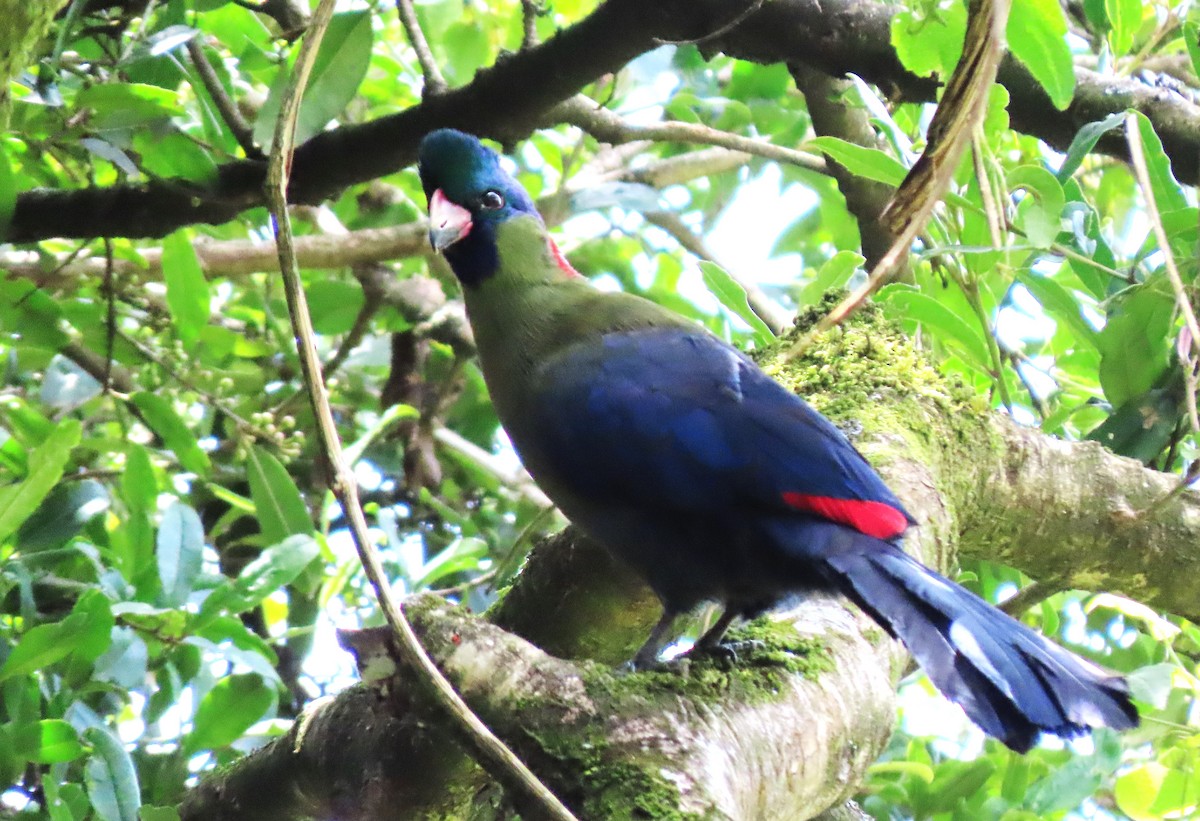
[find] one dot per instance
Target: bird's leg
(710, 643)
(648, 655)
(711, 640)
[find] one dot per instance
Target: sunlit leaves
(228, 710)
(341, 63)
(733, 296)
(929, 37)
(20, 499)
(280, 508)
(1037, 32)
(164, 421)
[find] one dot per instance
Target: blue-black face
(476, 195)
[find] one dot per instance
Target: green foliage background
(169, 560)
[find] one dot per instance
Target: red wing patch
(872, 518)
(561, 261)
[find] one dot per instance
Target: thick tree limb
(510, 99)
(753, 742)
(974, 480)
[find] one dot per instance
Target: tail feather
(1011, 681)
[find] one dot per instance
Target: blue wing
(680, 420)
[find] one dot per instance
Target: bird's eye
(491, 201)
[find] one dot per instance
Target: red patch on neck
(561, 261)
(872, 518)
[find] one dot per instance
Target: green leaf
(62, 515)
(1124, 20)
(49, 741)
(956, 780)
(40, 647)
(19, 501)
(1059, 304)
(929, 40)
(8, 189)
(1037, 35)
(159, 814)
(231, 707)
(335, 305)
(275, 567)
(180, 552)
(1168, 193)
(1137, 790)
(11, 764)
(281, 509)
(122, 106)
(945, 326)
(869, 163)
(1191, 36)
(835, 273)
(733, 296)
(187, 289)
(1134, 344)
(175, 154)
(111, 778)
(164, 421)
(466, 48)
(339, 68)
(1039, 214)
(28, 310)
(1085, 140)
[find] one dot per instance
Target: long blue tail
(1011, 681)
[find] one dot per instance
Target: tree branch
(639, 746)
(510, 100)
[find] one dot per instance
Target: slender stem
(530, 9)
(584, 113)
(241, 130)
(488, 750)
(435, 83)
(775, 317)
(1137, 155)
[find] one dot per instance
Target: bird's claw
(726, 652)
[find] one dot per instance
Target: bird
(671, 448)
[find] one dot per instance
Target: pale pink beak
(448, 223)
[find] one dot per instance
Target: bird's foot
(725, 653)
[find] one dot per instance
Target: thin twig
(487, 749)
(1028, 596)
(724, 29)
(1137, 155)
(435, 83)
(241, 130)
(240, 258)
(110, 314)
(775, 317)
(961, 109)
(1185, 481)
(530, 11)
(583, 112)
(517, 478)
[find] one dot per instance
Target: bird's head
(470, 195)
